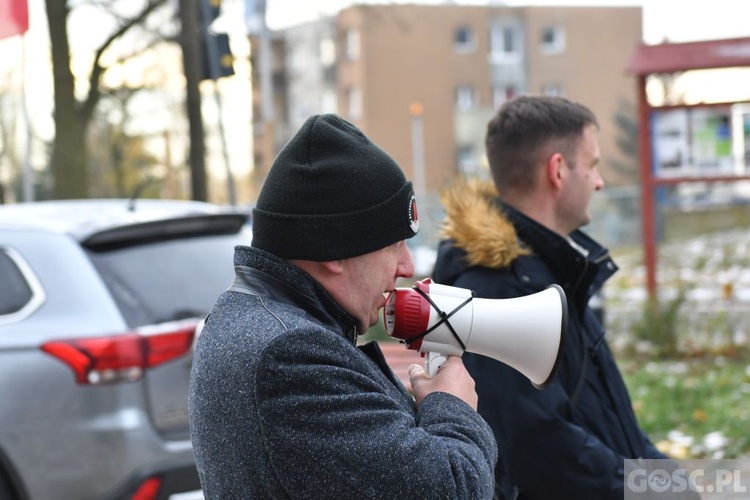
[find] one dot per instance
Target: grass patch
(696, 408)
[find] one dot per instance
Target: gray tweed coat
(283, 404)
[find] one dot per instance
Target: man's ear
(554, 170)
(319, 270)
(333, 266)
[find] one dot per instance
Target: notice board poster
(741, 121)
(701, 141)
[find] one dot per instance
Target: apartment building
(423, 80)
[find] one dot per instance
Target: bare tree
(7, 146)
(10, 153)
(191, 55)
(72, 115)
(120, 161)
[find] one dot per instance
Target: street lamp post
(417, 147)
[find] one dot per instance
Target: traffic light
(217, 54)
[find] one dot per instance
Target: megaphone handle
(433, 361)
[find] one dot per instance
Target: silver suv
(99, 303)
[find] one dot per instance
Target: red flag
(14, 17)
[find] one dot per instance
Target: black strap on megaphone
(443, 318)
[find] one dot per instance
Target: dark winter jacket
(570, 439)
(284, 404)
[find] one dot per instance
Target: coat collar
(258, 272)
(577, 263)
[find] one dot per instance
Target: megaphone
(527, 333)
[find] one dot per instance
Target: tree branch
(97, 69)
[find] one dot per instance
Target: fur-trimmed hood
(475, 224)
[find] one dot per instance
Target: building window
(354, 103)
(552, 89)
(327, 52)
(299, 61)
(464, 40)
(465, 97)
(351, 44)
(505, 43)
(552, 40)
(466, 160)
(328, 101)
(502, 94)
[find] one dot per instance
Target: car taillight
(148, 489)
(123, 358)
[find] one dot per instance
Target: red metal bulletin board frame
(664, 59)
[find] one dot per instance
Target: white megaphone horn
(527, 333)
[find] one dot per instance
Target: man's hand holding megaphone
(452, 378)
(440, 321)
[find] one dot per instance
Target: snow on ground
(708, 277)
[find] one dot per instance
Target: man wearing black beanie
(283, 402)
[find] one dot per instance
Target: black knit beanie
(332, 194)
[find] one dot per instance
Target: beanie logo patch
(413, 215)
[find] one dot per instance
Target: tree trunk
(68, 162)
(192, 61)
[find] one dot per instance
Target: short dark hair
(524, 129)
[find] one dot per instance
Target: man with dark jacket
(570, 439)
(283, 402)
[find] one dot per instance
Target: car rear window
(169, 280)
